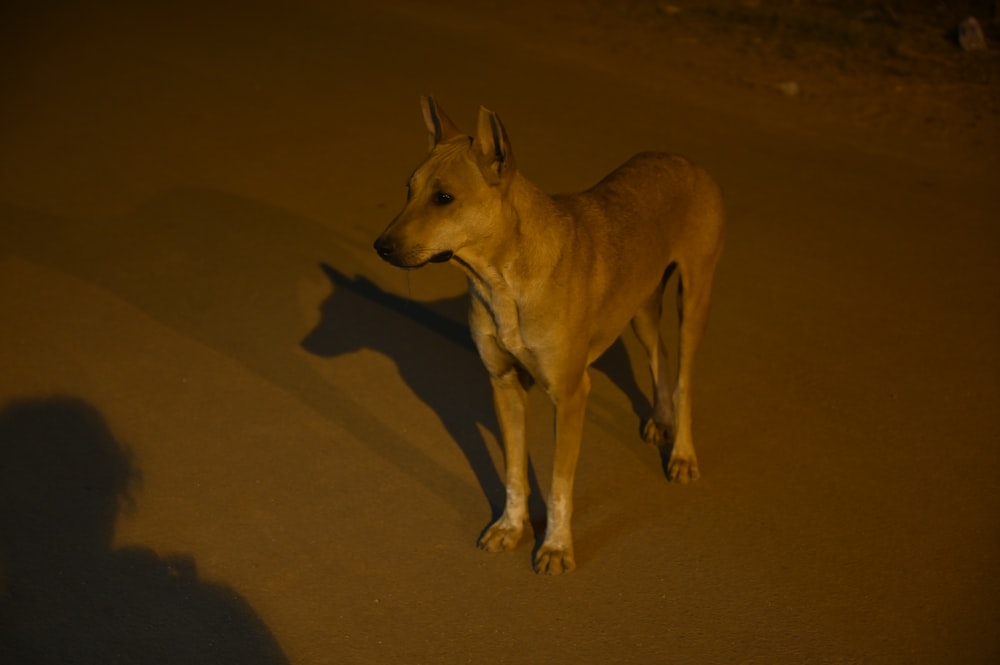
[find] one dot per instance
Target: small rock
(788, 88)
(668, 9)
(970, 35)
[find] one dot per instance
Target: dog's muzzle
(389, 252)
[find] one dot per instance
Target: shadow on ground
(443, 369)
(66, 594)
(212, 266)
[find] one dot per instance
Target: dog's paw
(658, 434)
(554, 560)
(682, 469)
(501, 536)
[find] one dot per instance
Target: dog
(553, 282)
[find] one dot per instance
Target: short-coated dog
(554, 280)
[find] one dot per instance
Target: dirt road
(192, 316)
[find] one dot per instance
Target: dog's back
(653, 201)
(655, 210)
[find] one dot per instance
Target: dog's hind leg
(693, 297)
(658, 428)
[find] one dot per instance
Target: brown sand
(188, 195)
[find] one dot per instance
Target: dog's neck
(503, 274)
(532, 221)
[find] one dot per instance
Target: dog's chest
(501, 318)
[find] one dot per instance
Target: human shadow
(66, 594)
(438, 360)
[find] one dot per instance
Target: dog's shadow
(438, 360)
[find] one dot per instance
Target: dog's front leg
(509, 400)
(555, 556)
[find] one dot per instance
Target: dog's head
(455, 197)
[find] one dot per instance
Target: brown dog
(554, 280)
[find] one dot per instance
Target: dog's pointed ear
(492, 145)
(439, 125)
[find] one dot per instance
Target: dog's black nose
(384, 248)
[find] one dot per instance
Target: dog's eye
(442, 198)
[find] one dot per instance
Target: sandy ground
(230, 434)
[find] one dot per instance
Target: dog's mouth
(403, 257)
(388, 252)
(441, 257)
